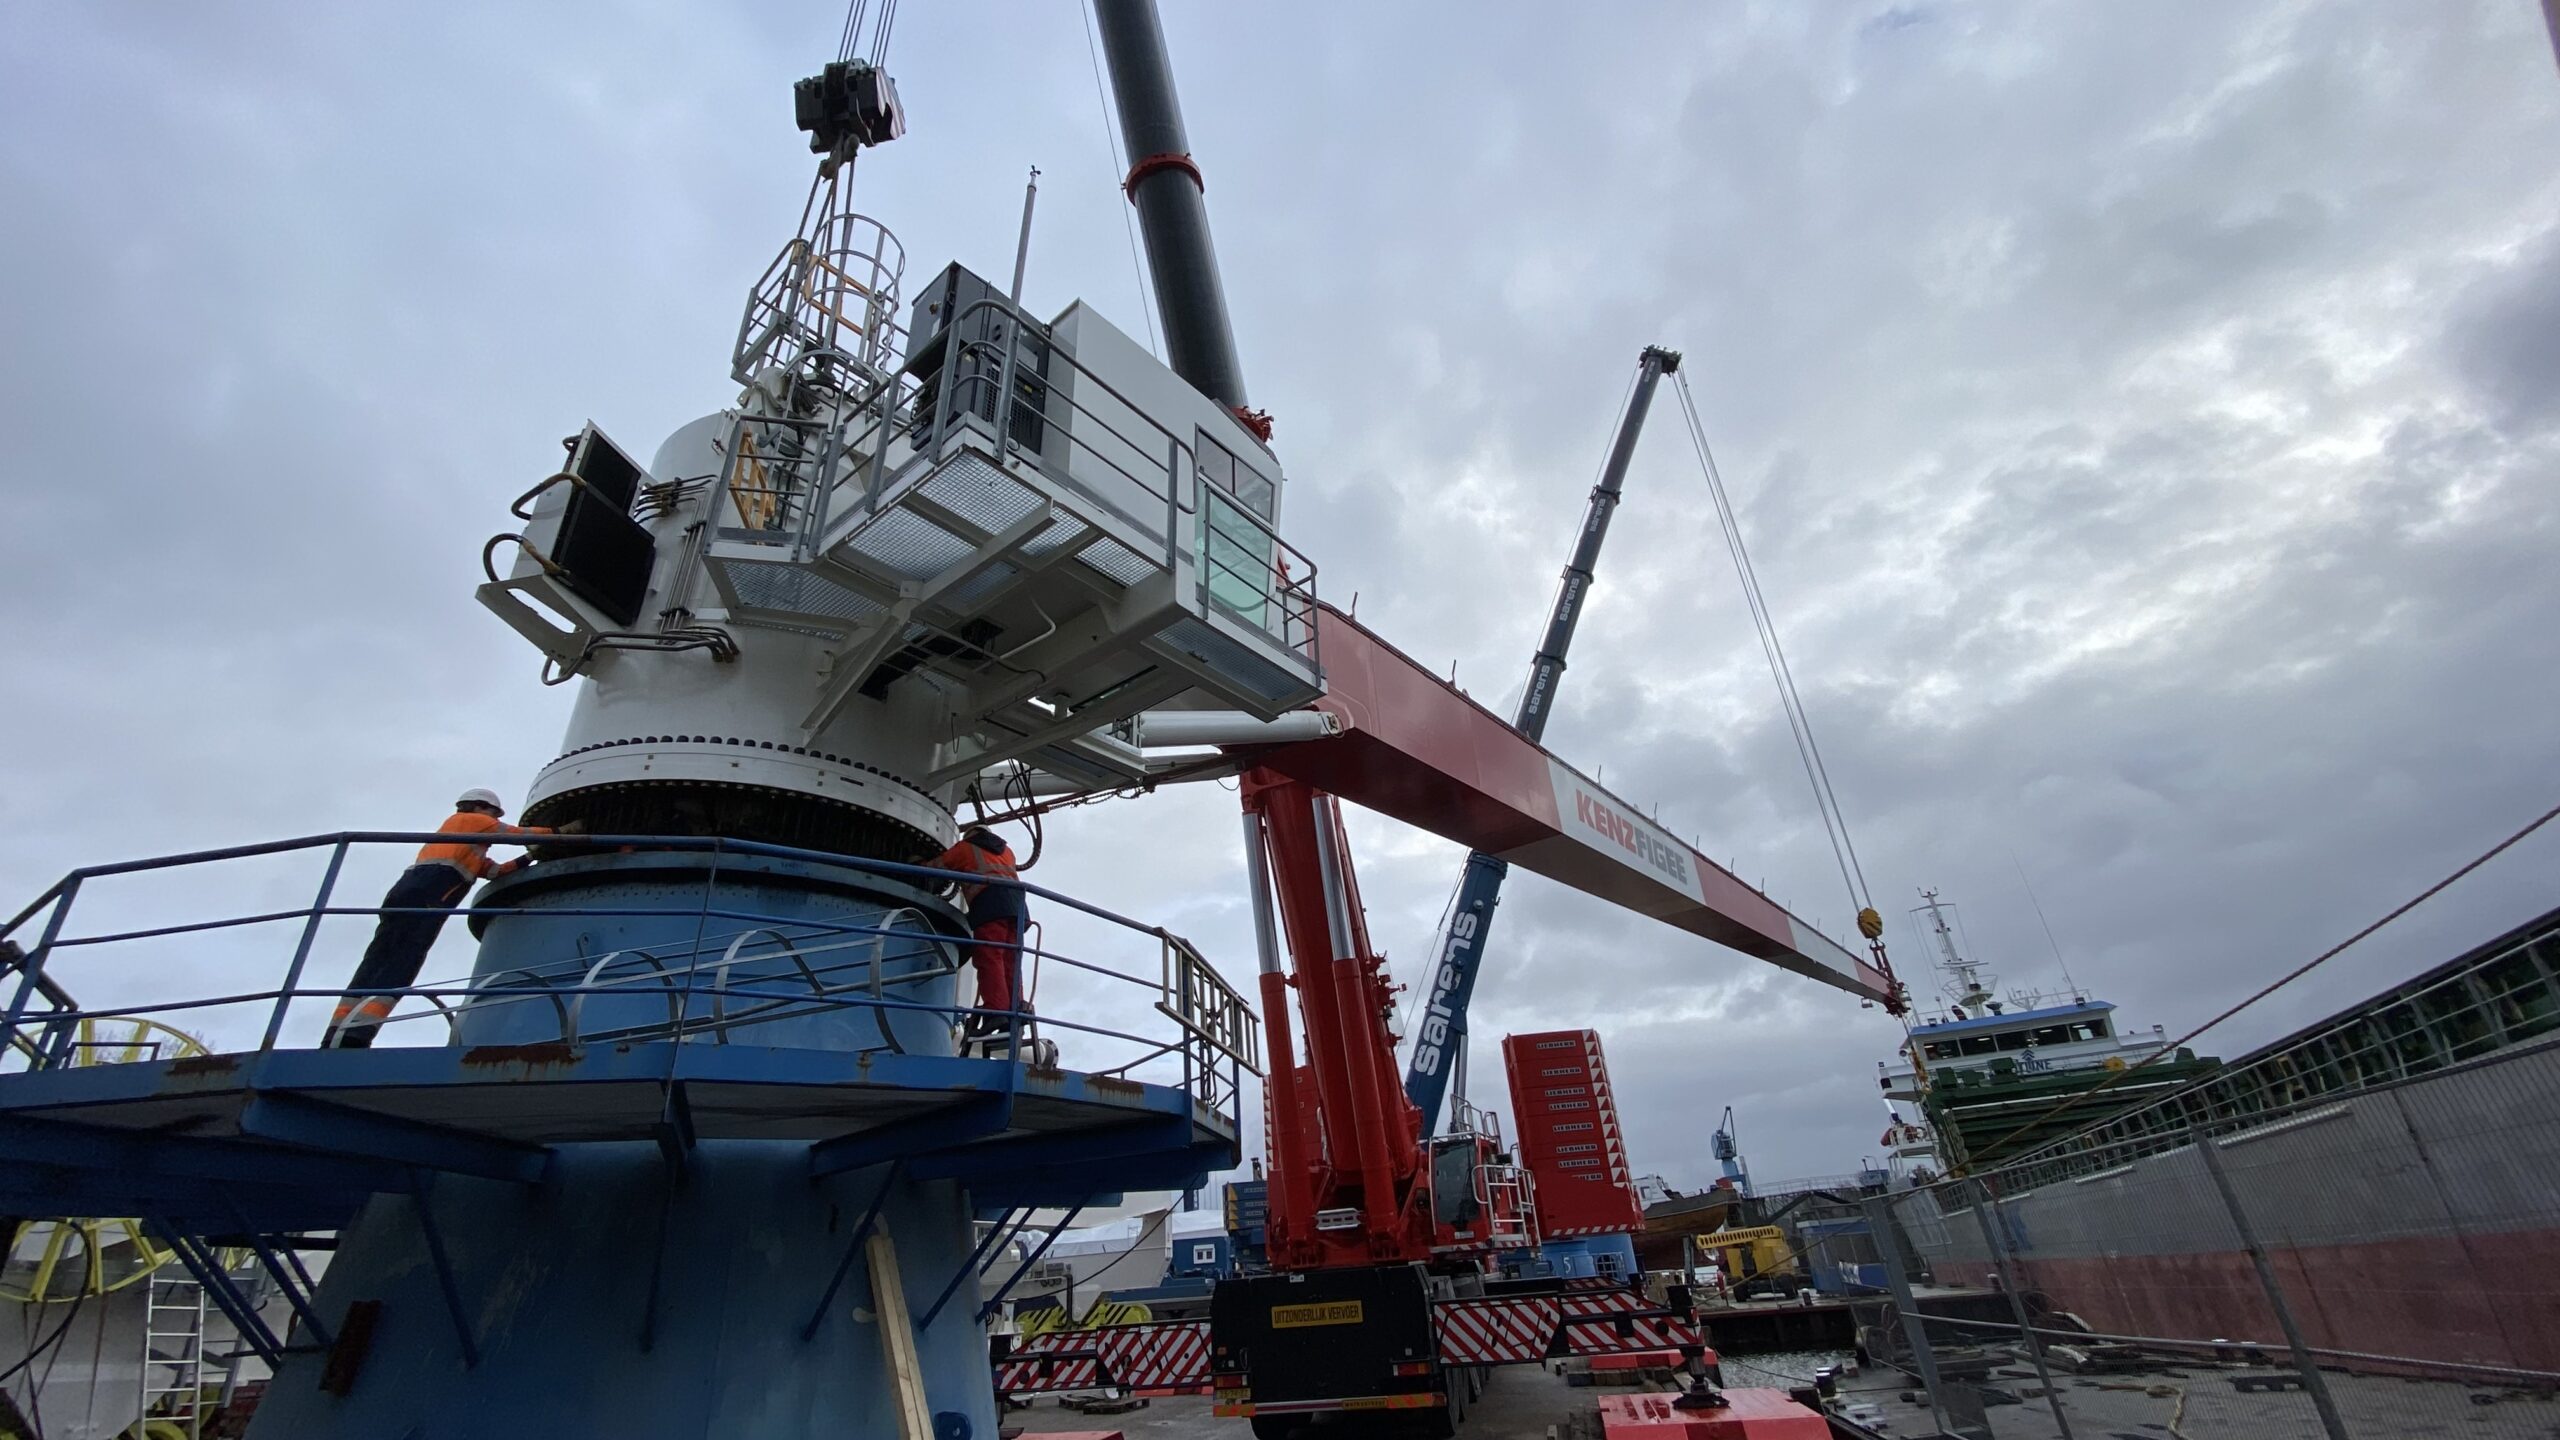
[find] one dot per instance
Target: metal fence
(2373, 1264)
(118, 962)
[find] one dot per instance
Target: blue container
(1613, 1256)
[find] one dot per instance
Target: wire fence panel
(2378, 1263)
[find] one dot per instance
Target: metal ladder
(1507, 1195)
(173, 1359)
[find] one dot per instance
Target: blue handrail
(1214, 1033)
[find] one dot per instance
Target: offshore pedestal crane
(1440, 1035)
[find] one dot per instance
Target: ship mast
(1966, 985)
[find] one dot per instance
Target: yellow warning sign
(1332, 1312)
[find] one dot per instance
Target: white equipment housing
(866, 586)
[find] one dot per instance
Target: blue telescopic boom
(1441, 1033)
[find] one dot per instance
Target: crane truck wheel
(1274, 1427)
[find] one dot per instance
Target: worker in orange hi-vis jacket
(997, 914)
(416, 908)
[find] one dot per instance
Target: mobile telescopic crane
(1379, 1232)
(1440, 1036)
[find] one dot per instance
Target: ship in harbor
(2387, 1164)
(1978, 1081)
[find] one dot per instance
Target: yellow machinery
(1757, 1258)
(49, 1261)
(1103, 1313)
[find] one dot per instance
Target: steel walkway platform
(290, 1140)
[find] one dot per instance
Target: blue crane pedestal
(700, 1160)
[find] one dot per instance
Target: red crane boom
(1414, 747)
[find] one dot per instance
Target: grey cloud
(2506, 334)
(2142, 425)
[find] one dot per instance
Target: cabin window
(1237, 558)
(1221, 468)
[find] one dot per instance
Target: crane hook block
(848, 105)
(1871, 924)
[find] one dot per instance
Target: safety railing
(1062, 418)
(168, 940)
(1199, 999)
(833, 288)
(1243, 568)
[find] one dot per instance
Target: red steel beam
(1413, 748)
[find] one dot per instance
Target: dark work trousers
(399, 948)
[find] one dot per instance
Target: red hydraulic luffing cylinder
(1348, 1182)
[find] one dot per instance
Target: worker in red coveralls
(997, 914)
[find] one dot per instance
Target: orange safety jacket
(986, 902)
(472, 857)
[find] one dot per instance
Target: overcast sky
(2144, 419)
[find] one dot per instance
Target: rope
(852, 24)
(854, 12)
(1835, 826)
(1111, 137)
(2115, 1077)
(880, 36)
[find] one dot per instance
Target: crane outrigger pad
(1415, 748)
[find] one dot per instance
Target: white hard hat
(480, 797)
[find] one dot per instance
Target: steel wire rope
(852, 25)
(880, 36)
(2115, 1077)
(1111, 137)
(1800, 726)
(1826, 799)
(854, 13)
